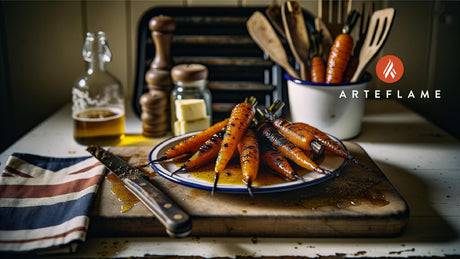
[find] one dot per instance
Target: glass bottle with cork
(190, 99)
(98, 106)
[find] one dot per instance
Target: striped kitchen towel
(45, 201)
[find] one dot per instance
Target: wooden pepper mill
(155, 103)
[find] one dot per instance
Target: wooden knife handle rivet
(167, 205)
(178, 216)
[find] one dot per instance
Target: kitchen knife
(176, 221)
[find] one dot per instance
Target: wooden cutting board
(357, 203)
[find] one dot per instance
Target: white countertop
(420, 160)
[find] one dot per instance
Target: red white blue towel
(45, 202)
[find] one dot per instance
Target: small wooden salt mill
(155, 103)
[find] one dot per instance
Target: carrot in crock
(317, 67)
(317, 70)
(340, 52)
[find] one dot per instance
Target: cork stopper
(162, 23)
(189, 72)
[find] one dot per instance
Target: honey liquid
(232, 175)
(99, 126)
(124, 195)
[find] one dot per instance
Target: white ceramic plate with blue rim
(330, 161)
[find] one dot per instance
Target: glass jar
(190, 99)
(98, 105)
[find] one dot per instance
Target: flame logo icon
(389, 69)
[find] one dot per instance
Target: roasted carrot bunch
(260, 140)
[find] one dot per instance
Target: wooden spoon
(273, 13)
(297, 35)
(264, 35)
(377, 31)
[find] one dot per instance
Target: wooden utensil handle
(176, 221)
(304, 72)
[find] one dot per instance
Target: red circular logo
(389, 69)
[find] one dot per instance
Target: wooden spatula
(378, 29)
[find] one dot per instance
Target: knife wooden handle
(176, 221)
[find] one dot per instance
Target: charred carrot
(330, 144)
(274, 160)
(205, 154)
(193, 143)
(340, 52)
(298, 136)
(317, 67)
(295, 134)
(299, 133)
(249, 158)
(240, 119)
(282, 144)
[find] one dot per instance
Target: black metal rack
(217, 38)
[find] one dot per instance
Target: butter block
(190, 109)
(182, 127)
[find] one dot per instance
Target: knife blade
(176, 221)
